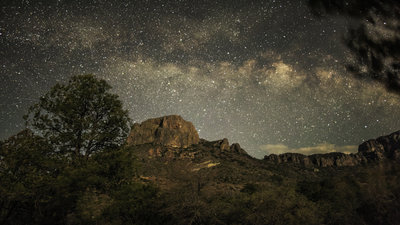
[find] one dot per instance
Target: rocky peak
(172, 131)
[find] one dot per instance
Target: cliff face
(172, 131)
(317, 160)
(374, 150)
(382, 147)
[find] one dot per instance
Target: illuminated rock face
(172, 131)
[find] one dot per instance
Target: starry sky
(266, 74)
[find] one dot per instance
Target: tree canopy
(80, 117)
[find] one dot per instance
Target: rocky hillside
(171, 138)
(171, 154)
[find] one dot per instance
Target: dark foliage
(40, 184)
(80, 118)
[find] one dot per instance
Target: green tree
(40, 184)
(25, 170)
(80, 118)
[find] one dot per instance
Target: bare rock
(236, 148)
(172, 131)
(372, 150)
(223, 144)
(383, 147)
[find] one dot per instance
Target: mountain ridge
(374, 150)
(172, 137)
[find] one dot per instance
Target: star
(267, 73)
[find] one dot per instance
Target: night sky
(265, 74)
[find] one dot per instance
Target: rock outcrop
(235, 147)
(374, 150)
(172, 131)
(382, 147)
(223, 146)
(171, 137)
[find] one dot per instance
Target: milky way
(265, 74)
